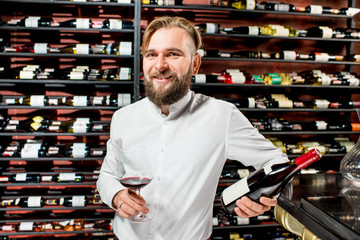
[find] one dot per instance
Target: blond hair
(169, 22)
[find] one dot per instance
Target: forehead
(167, 38)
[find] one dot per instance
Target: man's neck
(165, 109)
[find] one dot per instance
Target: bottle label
(37, 100)
(250, 4)
(322, 103)
(26, 74)
(289, 55)
(79, 150)
(124, 99)
(125, 48)
(325, 79)
(20, 177)
(76, 75)
(235, 191)
(66, 177)
(242, 221)
(115, 24)
(32, 21)
(253, 30)
(29, 153)
(7, 228)
(210, 28)
(238, 78)
(26, 226)
(252, 102)
(82, 23)
(80, 127)
(316, 9)
(321, 57)
(80, 101)
(354, 82)
(282, 7)
(34, 201)
(82, 48)
(200, 78)
(327, 32)
(321, 125)
(352, 11)
(78, 201)
(40, 48)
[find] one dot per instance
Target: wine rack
(140, 13)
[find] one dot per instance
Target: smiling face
(169, 62)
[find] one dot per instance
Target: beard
(178, 89)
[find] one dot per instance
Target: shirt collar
(174, 108)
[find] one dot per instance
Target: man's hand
(247, 208)
(128, 203)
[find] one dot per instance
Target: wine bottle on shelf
(77, 23)
(350, 11)
(116, 74)
(275, 6)
(31, 201)
(78, 101)
(318, 9)
(119, 48)
(211, 78)
(242, 4)
(117, 24)
(268, 181)
(32, 124)
(33, 150)
(248, 30)
(209, 53)
(79, 48)
(320, 32)
(208, 27)
(64, 177)
(78, 125)
(74, 201)
(250, 54)
(33, 21)
(20, 177)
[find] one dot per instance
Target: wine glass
(136, 183)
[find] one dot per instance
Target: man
(187, 137)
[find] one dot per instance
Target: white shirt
(187, 150)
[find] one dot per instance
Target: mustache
(156, 74)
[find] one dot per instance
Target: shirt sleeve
(246, 145)
(112, 168)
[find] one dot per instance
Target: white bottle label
(80, 101)
(238, 78)
(37, 100)
(210, 28)
(82, 48)
(79, 150)
(82, 23)
(78, 201)
(200, 78)
(26, 226)
(322, 57)
(124, 1)
(289, 55)
(124, 99)
(252, 102)
(34, 201)
(66, 177)
(316, 9)
(20, 177)
(26, 74)
(125, 48)
(115, 24)
(322, 103)
(235, 191)
(29, 153)
(352, 11)
(98, 100)
(40, 48)
(76, 75)
(354, 82)
(327, 32)
(32, 21)
(80, 127)
(250, 4)
(253, 30)
(325, 79)
(321, 125)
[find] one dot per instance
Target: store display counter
(320, 206)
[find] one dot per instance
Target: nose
(161, 63)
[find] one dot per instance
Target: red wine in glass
(135, 182)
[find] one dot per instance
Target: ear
(196, 63)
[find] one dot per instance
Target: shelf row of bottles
(123, 48)
(338, 145)
(283, 7)
(35, 148)
(72, 73)
(281, 31)
(47, 201)
(308, 77)
(274, 100)
(119, 100)
(280, 124)
(287, 55)
(79, 23)
(63, 177)
(223, 219)
(43, 124)
(65, 225)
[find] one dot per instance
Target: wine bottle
(249, 30)
(33, 124)
(274, 6)
(74, 201)
(119, 48)
(33, 21)
(268, 181)
(117, 24)
(77, 23)
(78, 125)
(31, 201)
(318, 9)
(33, 149)
(68, 177)
(79, 48)
(78, 101)
(243, 4)
(350, 11)
(21, 177)
(320, 32)
(208, 27)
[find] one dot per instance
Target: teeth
(162, 77)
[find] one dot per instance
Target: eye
(173, 54)
(150, 55)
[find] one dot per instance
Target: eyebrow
(168, 50)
